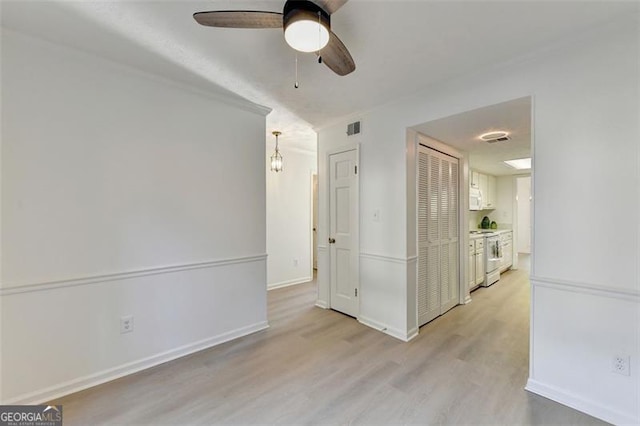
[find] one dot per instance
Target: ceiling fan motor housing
(296, 11)
(304, 11)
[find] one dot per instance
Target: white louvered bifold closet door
(449, 235)
(438, 234)
(423, 260)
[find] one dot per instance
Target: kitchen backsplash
(475, 217)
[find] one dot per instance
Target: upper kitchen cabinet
(475, 179)
(487, 185)
(483, 189)
(491, 196)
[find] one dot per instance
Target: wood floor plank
(316, 366)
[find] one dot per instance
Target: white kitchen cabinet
(490, 196)
(475, 179)
(472, 264)
(483, 188)
(479, 261)
(506, 241)
(487, 185)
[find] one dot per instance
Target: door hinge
(356, 169)
(356, 292)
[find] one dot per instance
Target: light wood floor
(315, 366)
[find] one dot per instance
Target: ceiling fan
(306, 24)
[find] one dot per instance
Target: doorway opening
(290, 219)
(496, 202)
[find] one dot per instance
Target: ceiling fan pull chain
(319, 39)
(296, 85)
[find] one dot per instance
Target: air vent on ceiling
(502, 139)
(353, 128)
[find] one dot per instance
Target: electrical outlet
(295, 262)
(126, 324)
(620, 365)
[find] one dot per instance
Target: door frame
(516, 219)
(463, 205)
(313, 248)
(356, 226)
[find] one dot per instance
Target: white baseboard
(592, 408)
(391, 331)
(413, 333)
(81, 383)
(288, 283)
(322, 304)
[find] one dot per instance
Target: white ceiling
(462, 131)
(398, 46)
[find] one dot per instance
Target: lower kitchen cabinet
(506, 241)
(472, 264)
(479, 261)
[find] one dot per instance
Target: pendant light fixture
(276, 158)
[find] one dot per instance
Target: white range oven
(493, 258)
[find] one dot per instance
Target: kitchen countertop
(475, 236)
(483, 232)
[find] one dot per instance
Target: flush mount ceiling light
(493, 136)
(520, 163)
(276, 158)
(306, 26)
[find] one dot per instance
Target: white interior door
(343, 231)
(314, 220)
(438, 234)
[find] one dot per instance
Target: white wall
(503, 214)
(586, 294)
(122, 194)
(523, 214)
(289, 217)
(383, 259)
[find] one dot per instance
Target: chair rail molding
(586, 288)
(11, 289)
(387, 258)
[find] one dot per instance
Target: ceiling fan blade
(239, 19)
(336, 56)
(330, 6)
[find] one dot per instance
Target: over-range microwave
(475, 199)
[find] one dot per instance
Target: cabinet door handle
(332, 240)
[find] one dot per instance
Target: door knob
(332, 240)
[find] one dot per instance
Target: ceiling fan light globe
(306, 35)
